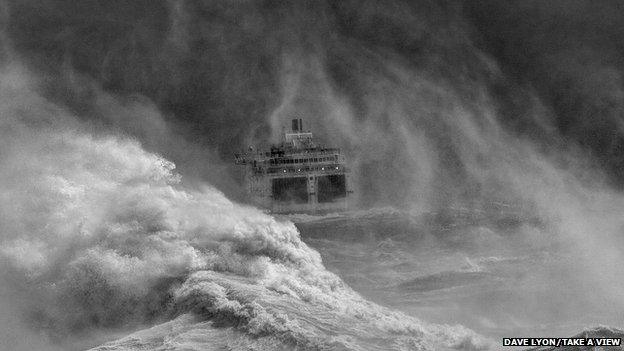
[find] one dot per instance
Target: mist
(437, 104)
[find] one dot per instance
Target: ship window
(293, 190)
(331, 188)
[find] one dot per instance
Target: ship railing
(307, 156)
(301, 159)
(327, 168)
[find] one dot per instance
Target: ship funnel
(297, 125)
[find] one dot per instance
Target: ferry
(296, 175)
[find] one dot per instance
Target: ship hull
(302, 192)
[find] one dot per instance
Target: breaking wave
(98, 234)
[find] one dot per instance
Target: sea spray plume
(358, 72)
(570, 53)
(472, 142)
(145, 35)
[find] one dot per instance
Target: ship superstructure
(297, 176)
